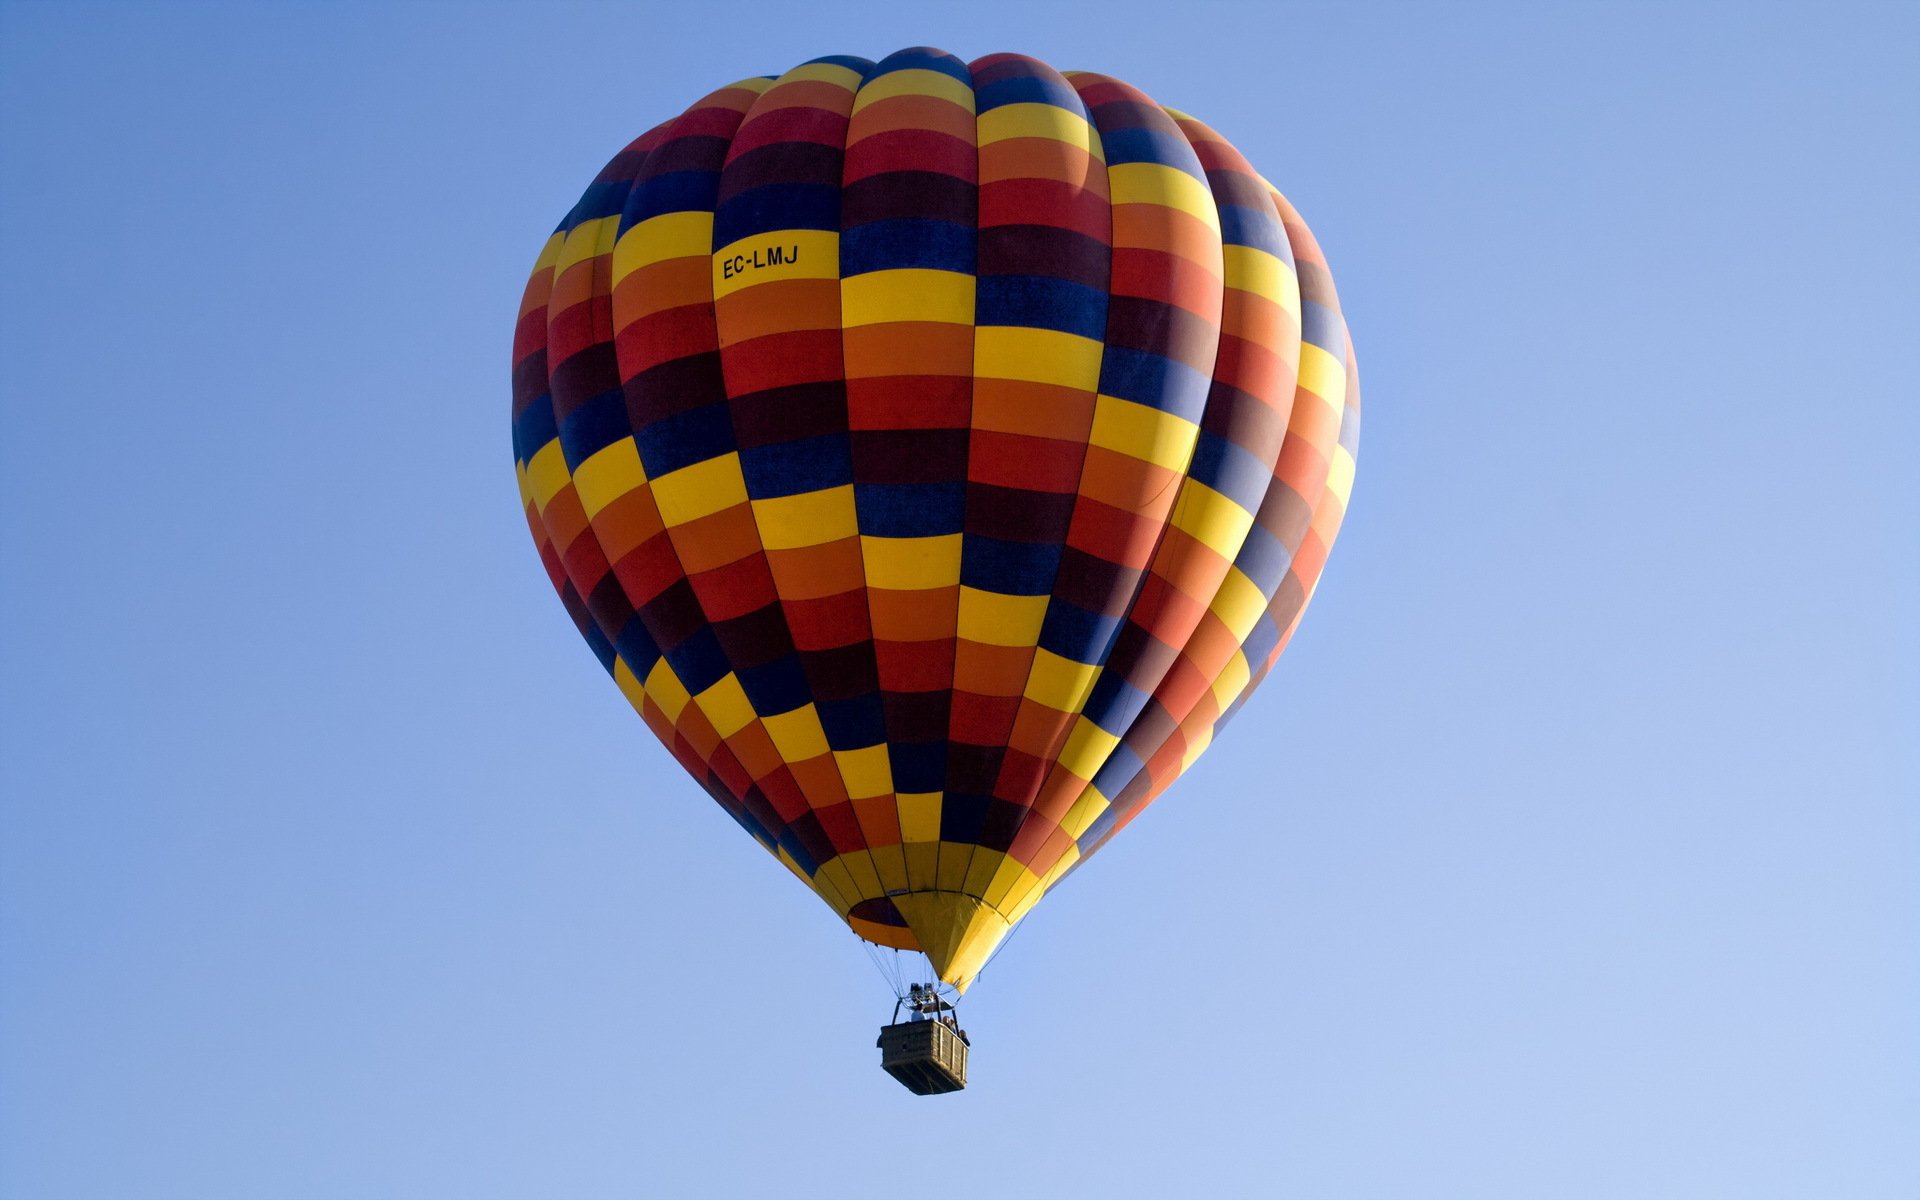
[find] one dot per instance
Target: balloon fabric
(936, 454)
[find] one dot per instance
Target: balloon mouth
(956, 931)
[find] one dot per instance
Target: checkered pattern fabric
(936, 454)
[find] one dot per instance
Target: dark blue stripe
(1233, 471)
(910, 509)
(890, 245)
(683, 439)
(790, 468)
(918, 766)
(699, 661)
(534, 428)
(1254, 227)
(1028, 89)
(1072, 632)
(923, 58)
(594, 426)
(599, 200)
(637, 647)
(854, 722)
(1154, 380)
(1263, 559)
(1322, 327)
(776, 206)
(776, 687)
(1164, 147)
(1040, 302)
(1114, 703)
(1010, 568)
(680, 191)
(1261, 640)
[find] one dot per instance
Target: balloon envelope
(936, 454)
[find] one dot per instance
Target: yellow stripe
(1323, 374)
(1232, 681)
(1087, 749)
(1006, 877)
(1340, 475)
(920, 816)
(808, 519)
(797, 735)
(609, 474)
(1142, 432)
(1036, 356)
(1000, 620)
(1266, 275)
(658, 239)
(906, 294)
(1083, 813)
(629, 684)
(1059, 683)
(1154, 183)
(911, 564)
(667, 690)
(588, 239)
(771, 257)
(726, 705)
(549, 253)
(914, 81)
(700, 490)
(822, 73)
(867, 771)
(1238, 604)
(1212, 519)
(1038, 120)
(547, 474)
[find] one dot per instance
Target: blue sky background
(1571, 852)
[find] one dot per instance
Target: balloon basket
(928, 1057)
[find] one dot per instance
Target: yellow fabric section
(797, 735)
(1233, 677)
(1037, 121)
(1087, 748)
(999, 620)
(1036, 356)
(629, 684)
(1142, 432)
(808, 519)
(609, 474)
(1238, 604)
(1263, 274)
(832, 73)
(914, 81)
(1059, 683)
(546, 474)
(1153, 183)
(906, 294)
(1212, 519)
(912, 564)
(957, 932)
(700, 490)
(1324, 375)
(867, 771)
(658, 239)
(780, 254)
(920, 816)
(726, 705)
(1340, 475)
(667, 690)
(585, 241)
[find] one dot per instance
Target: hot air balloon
(936, 454)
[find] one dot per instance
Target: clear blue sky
(1572, 852)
